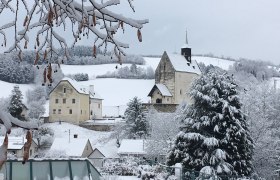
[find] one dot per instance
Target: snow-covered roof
(74, 148)
(108, 152)
(82, 89)
(14, 143)
(162, 88)
(132, 146)
(180, 63)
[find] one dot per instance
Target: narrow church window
(91, 112)
(81, 111)
(180, 91)
(64, 101)
(56, 101)
(64, 90)
(164, 67)
(194, 67)
(54, 111)
(59, 111)
(73, 101)
(70, 111)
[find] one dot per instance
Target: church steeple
(186, 51)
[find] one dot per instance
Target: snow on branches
(46, 21)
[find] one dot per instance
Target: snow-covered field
(222, 63)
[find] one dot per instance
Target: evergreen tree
(136, 122)
(215, 132)
(16, 106)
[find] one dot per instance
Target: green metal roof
(49, 169)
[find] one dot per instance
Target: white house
(15, 146)
(73, 147)
(132, 147)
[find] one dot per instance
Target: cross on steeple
(187, 36)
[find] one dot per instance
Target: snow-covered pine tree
(16, 105)
(136, 122)
(215, 131)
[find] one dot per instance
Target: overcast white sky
(236, 28)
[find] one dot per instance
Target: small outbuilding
(132, 147)
(73, 147)
(15, 146)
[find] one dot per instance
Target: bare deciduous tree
(46, 21)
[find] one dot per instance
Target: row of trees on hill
(78, 55)
(132, 72)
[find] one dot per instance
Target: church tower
(186, 50)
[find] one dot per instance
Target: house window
(180, 91)
(56, 101)
(73, 101)
(59, 111)
(70, 111)
(54, 111)
(159, 101)
(64, 101)
(64, 90)
(81, 111)
(30, 152)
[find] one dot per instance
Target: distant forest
(79, 55)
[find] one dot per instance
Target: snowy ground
(62, 131)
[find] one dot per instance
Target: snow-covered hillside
(222, 63)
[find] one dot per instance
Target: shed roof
(180, 63)
(132, 146)
(162, 88)
(73, 148)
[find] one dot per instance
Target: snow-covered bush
(13, 71)
(79, 76)
(125, 167)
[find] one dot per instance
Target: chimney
(91, 89)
